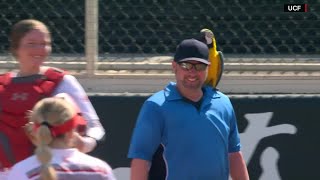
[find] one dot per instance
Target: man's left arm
(238, 168)
(237, 164)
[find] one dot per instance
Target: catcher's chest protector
(17, 97)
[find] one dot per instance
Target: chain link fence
(241, 27)
(65, 20)
(140, 30)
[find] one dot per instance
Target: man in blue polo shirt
(195, 124)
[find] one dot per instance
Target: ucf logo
(19, 96)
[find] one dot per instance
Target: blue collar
(171, 92)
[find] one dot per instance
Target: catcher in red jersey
(21, 89)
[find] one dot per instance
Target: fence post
(91, 35)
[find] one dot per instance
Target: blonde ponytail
(43, 153)
(46, 113)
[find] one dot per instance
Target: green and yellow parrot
(215, 57)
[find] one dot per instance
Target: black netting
(246, 26)
(157, 26)
(65, 20)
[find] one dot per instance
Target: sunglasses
(188, 66)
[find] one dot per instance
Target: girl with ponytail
(55, 121)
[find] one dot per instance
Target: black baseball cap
(192, 50)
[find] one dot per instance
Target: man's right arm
(139, 169)
(145, 140)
